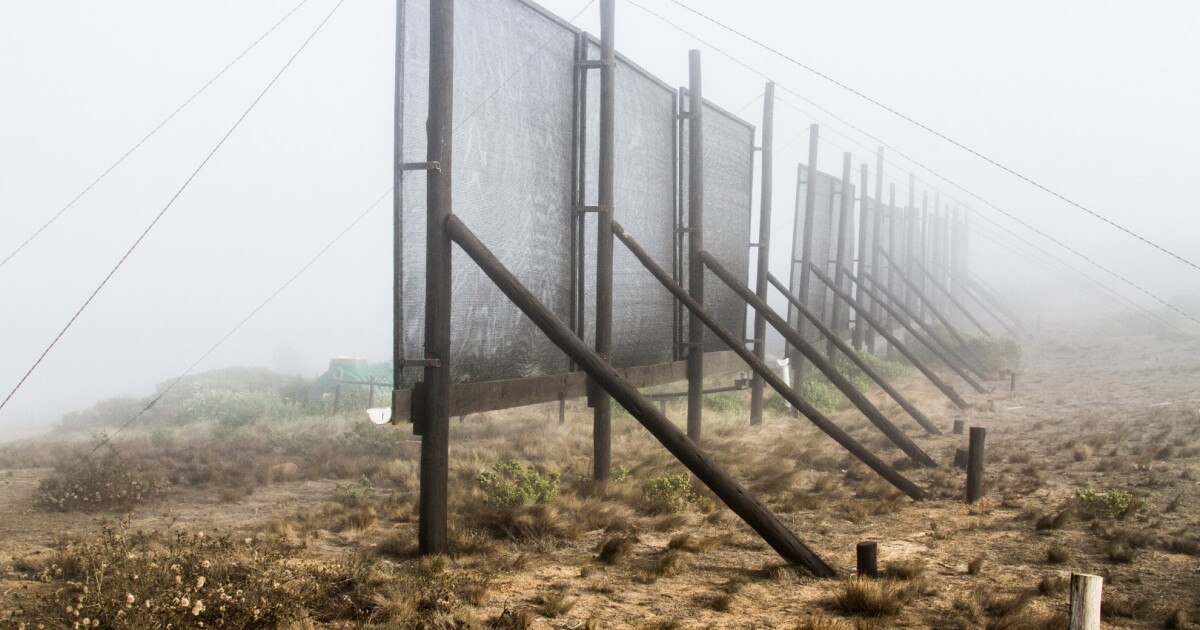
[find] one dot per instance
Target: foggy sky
(1097, 100)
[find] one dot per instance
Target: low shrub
(509, 484)
(1113, 503)
(111, 481)
(669, 493)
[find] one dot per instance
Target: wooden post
(1086, 593)
(827, 368)
(877, 245)
(891, 339)
(845, 222)
(602, 409)
(857, 360)
(764, 246)
(435, 438)
(810, 208)
(728, 490)
(867, 555)
(1012, 381)
(337, 396)
(960, 458)
(864, 219)
(975, 464)
(958, 427)
(737, 345)
(371, 393)
(695, 364)
(895, 225)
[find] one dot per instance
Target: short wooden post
(975, 464)
(960, 458)
(337, 396)
(371, 393)
(1085, 601)
(958, 427)
(1012, 381)
(562, 410)
(867, 559)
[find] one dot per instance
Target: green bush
(669, 493)
(509, 484)
(725, 403)
(821, 394)
(1112, 502)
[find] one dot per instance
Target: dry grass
(873, 598)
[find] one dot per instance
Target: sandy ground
(1127, 395)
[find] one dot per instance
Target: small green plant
(354, 492)
(620, 473)
(509, 484)
(1112, 502)
(669, 493)
(823, 395)
(725, 403)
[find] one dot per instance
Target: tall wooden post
(910, 238)
(975, 464)
(435, 435)
(764, 246)
(695, 362)
(864, 219)
(602, 408)
(845, 226)
(877, 242)
(810, 208)
(895, 238)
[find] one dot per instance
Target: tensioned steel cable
(153, 131)
(241, 323)
(108, 438)
(170, 203)
(940, 135)
(936, 174)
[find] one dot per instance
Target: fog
(1096, 101)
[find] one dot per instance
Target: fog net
(513, 144)
(728, 182)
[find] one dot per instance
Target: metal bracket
(683, 230)
(590, 64)
(429, 363)
(421, 166)
(585, 209)
(683, 116)
(752, 341)
(755, 244)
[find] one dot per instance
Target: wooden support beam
(478, 397)
(894, 342)
(857, 360)
(906, 318)
(937, 284)
(754, 513)
(827, 368)
(788, 393)
(975, 364)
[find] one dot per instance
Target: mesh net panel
(644, 203)
(823, 244)
(512, 184)
(728, 182)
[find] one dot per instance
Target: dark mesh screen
(728, 173)
(512, 180)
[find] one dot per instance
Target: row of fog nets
(526, 138)
(821, 241)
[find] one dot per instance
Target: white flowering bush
(105, 480)
(181, 579)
